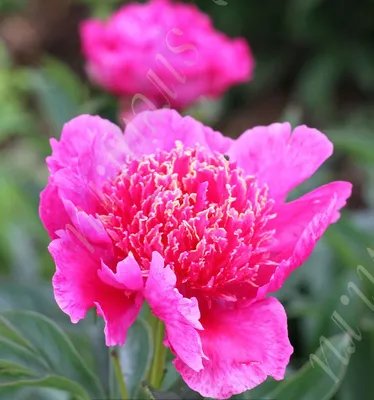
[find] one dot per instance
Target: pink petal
(106, 155)
(119, 308)
(93, 32)
(244, 344)
(91, 151)
(78, 253)
(119, 312)
(279, 159)
(302, 250)
(137, 37)
(77, 138)
(92, 230)
(128, 275)
(160, 129)
(52, 211)
(180, 315)
(76, 189)
(75, 282)
(293, 217)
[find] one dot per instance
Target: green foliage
(15, 119)
(136, 356)
(321, 377)
(8, 6)
(101, 9)
(35, 352)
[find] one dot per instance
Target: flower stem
(119, 374)
(157, 370)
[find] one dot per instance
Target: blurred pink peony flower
(166, 53)
(196, 224)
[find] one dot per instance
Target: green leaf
(358, 381)
(298, 17)
(52, 381)
(362, 64)
(355, 142)
(15, 117)
(8, 6)
(14, 393)
(150, 393)
(317, 81)
(341, 307)
(20, 296)
(171, 377)
(268, 72)
(8, 332)
(349, 242)
(18, 359)
(259, 392)
(320, 378)
(136, 355)
(64, 77)
(53, 99)
(184, 391)
(35, 352)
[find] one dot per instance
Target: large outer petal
(91, 150)
(152, 130)
(278, 158)
(78, 254)
(293, 217)
(274, 279)
(75, 281)
(180, 315)
(244, 345)
(87, 135)
(52, 211)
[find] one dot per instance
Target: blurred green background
(314, 65)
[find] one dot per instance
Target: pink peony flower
(194, 223)
(165, 53)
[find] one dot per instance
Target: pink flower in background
(168, 52)
(194, 223)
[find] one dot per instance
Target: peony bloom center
(201, 212)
